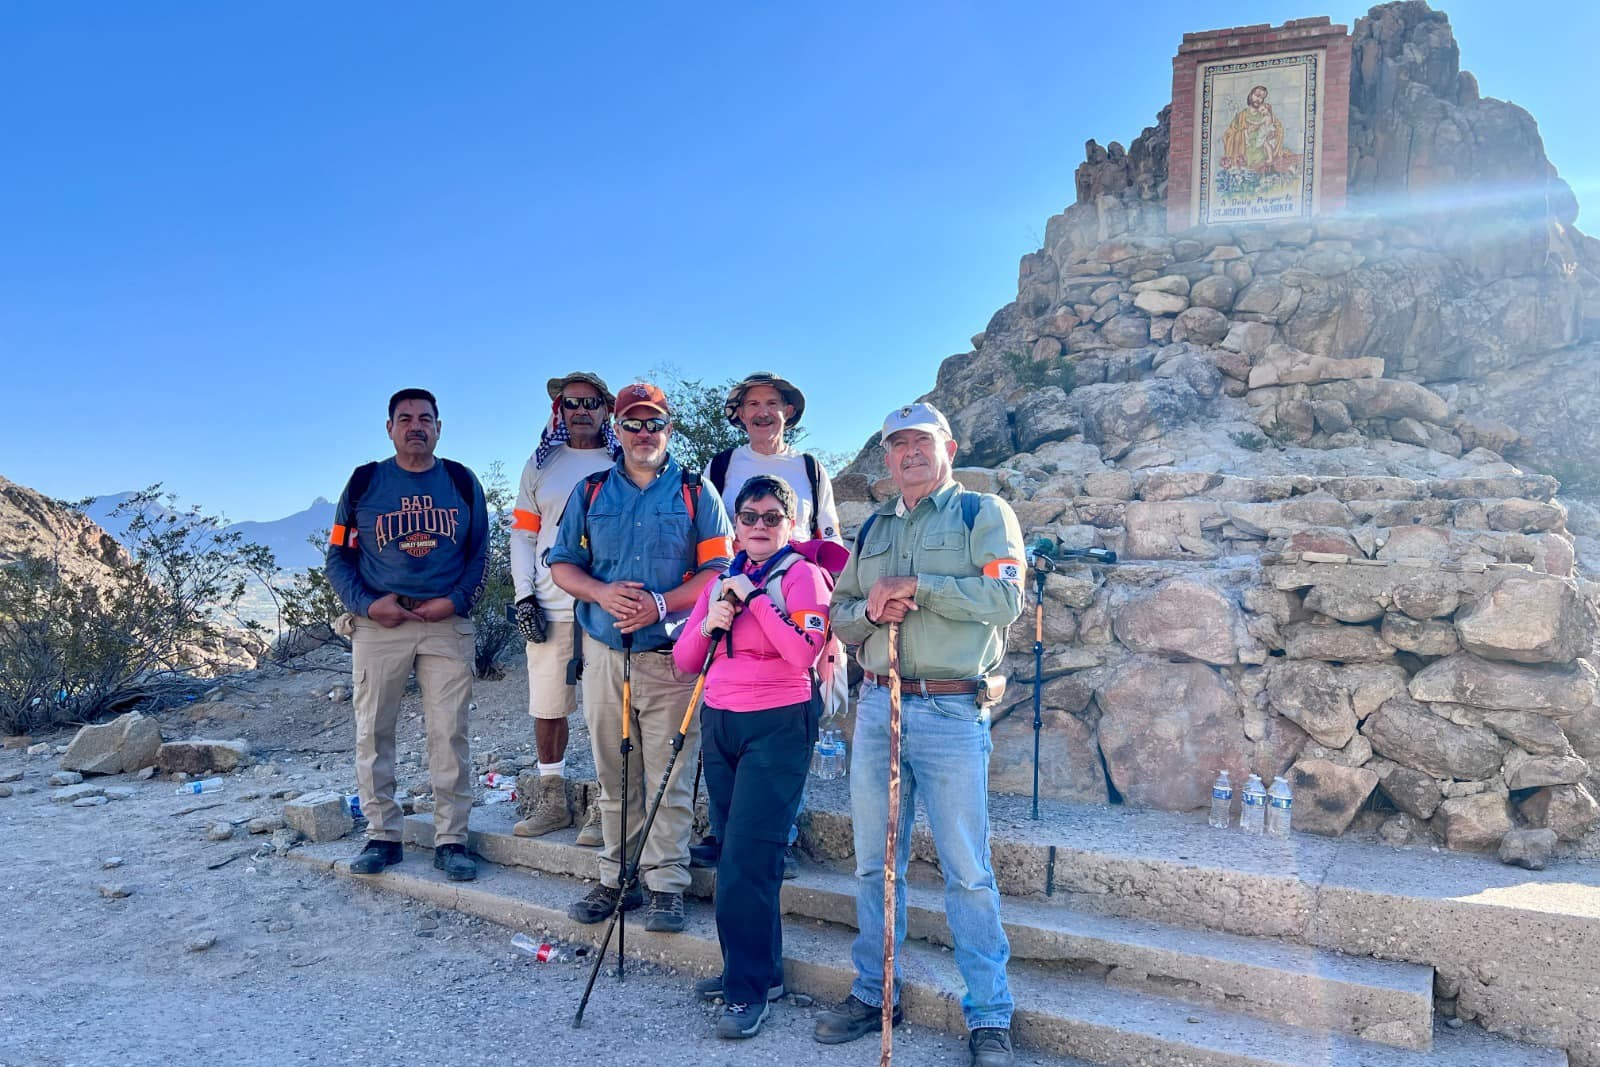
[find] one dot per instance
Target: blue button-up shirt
(641, 535)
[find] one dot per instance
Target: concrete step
(1060, 1012)
(1391, 1003)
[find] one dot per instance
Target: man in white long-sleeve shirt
(576, 442)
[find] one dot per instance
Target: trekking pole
(627, 747)
(631, 872)
(1043, 564)
(891, 848)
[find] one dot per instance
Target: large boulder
(1474, 824)
(1309, 694)
(1413, 792)
(1166, 729)
(983, 432)
(127, 743)
(198, 756)
(1422, 637)
(1412, 736)
(1569, 810)
(1465, 679)
(1342, 644)
(1528, 620)
(1117, 416)
(1069, 759)
(1327, 795)
(1530, 732)
(1524, 771)
(1186, 617)
(1043, 416)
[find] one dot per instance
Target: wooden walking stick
(891, 848)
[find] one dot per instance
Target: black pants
(755, 768)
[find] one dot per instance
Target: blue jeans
(944, 755)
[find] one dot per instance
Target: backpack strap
(814, 476)
(691, 493)
(717, 469)
(354, 490)
(462, 479)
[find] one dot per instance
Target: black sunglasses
(772, 519)
(643, 425)
(587, 403)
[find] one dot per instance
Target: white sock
(558, 770)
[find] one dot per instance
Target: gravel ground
(222, 952)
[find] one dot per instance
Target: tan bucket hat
(555, 385)
(788, 390)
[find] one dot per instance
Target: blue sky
(232, 230)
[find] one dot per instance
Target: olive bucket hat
(786, 389)
(555, 385)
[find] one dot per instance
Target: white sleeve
(827, 510)
(525, 520)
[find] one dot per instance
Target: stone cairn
(1337, 564)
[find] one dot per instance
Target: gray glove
(531, 620)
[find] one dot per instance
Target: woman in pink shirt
(761, 713)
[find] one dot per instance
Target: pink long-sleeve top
(772, 654)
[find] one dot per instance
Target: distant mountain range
(286, 537)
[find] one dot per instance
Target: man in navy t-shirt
(407, 555)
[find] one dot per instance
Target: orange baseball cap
(641, 395)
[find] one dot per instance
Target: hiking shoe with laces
(990, 1046)
(853, 1018)
(791, 863)
(550, 809)
(455, 863)
(666, 913)
(376, 856)
(600, 901)
(591, 836)
(711, 989)
(742, 1020)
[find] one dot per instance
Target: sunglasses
(771, 519)
(644, 425)
(587, 403)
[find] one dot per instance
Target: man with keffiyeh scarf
(577, 441)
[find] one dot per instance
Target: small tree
(72, 649)
(494, 630)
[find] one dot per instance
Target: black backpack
(717, 471)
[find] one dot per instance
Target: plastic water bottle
(205, 785)
(1221, 801)
(1253, 814)
(1279, 803)
(544, 952)
(352, 804)
(827, 756)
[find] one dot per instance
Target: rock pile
(1311, 443)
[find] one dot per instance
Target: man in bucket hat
(766, 407)
(576, 441)
(946, 565)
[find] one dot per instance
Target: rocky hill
(1318, 447)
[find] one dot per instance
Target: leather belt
(928, 687)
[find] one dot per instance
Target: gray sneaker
(742, 1020)
(666, 913)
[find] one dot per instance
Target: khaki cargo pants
(383, 659)
(660, 695)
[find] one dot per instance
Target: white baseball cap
(919, 416)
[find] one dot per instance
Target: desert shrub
(1038, 373)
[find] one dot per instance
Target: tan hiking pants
(441, 654)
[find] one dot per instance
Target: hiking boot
(706, 854)
(591, 836)
(455, 863)
(990, 1046)
(791, 863)
(550, 809)
(601, 901)
(853, 1018)
(666, 913)
(711, 989)
(742, 1020)
(375, 857)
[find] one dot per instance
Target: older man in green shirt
(947, 565)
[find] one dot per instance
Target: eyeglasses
(587, 403)
(772, 519)
(644, 425)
